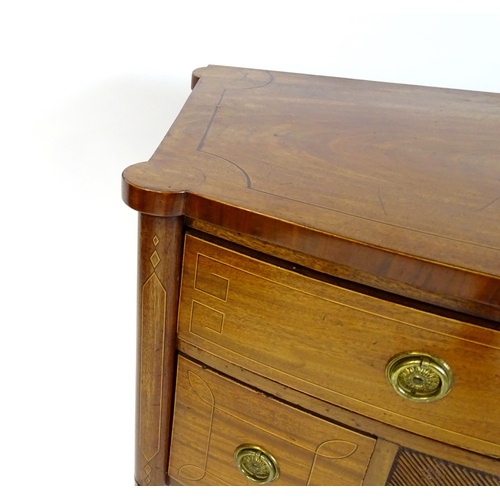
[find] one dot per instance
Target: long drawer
(335, 344)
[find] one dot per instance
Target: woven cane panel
(416, 469)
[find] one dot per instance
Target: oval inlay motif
(201, 389)
(191, 472)
(336, 449)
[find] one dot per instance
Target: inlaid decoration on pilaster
(159, 267)
(153, 321)
(155, 259)
(147, 470)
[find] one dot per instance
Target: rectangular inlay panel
(205, 318)
(208, 282)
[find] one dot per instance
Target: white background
(88, 88)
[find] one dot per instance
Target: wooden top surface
(407, 170)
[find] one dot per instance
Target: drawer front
(335, 344)
(213, 416)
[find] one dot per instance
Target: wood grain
(393, 187)
(381, 463)
(334, 344)
(214, 415)
(377, 471)
(396, 181)
(446, 295)
(160, 243)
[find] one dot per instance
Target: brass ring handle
(419, 377)
(256, 464)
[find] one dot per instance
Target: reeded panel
(412, 468)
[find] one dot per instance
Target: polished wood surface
(381, 463)
(447, 304)
(396, 181)
(159, 265)
(214, 415)
(377, 471)
(321, 226)
(334, 344)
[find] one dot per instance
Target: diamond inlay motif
(155, 258)
(147, 469)
(156, 240)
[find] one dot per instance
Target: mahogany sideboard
(319, 285)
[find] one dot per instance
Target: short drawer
(219, 424)
(335, 344)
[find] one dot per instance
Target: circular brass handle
(419, 377)
(256, 464)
